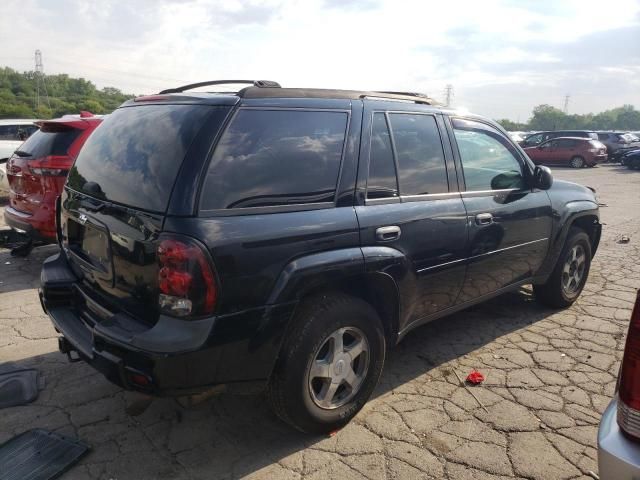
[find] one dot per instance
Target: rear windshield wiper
(22, 153)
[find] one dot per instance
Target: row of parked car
(285, 236)
(580, 148)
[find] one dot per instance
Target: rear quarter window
(134, 156)
(276, 157)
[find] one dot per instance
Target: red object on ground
(475, 377)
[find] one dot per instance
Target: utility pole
(40, 81)
(448, 94)
(566, 104)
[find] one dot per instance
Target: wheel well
(378, 290)
(589, 224)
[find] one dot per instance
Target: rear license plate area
(90, 243)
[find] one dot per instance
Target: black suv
(540, 137)
(289, 236)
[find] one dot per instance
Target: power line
(40, 81)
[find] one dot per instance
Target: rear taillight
(629, 381)
(52, 166)
(186, 278)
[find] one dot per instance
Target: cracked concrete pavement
(549, 376)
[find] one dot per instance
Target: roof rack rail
(408, 94)
(400, 96)
(255, 83)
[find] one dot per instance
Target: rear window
(42, 144)
(276, 157)
(134, 156)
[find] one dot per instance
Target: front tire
(570, 273)
(577, 162)
(329, 364)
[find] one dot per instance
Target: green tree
(66, 95)
(546, 117)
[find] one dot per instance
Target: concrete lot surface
(549, 376)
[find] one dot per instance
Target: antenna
(566, 103)
(40, 81)
(448, 94)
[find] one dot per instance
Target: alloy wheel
(339, 368)
(573, 270)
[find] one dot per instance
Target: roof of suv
(269, 89)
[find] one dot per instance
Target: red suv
(37, 172)
(574, 151)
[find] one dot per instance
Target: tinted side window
(566, 143)
(8, 132)
(535, 139)
(276, 157)
(382, 181)
(134, 156)
(489, 161)
(418, 146)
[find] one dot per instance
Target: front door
(545, 153)
(509, 222)
(413, 206)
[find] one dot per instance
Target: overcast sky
(502, 57)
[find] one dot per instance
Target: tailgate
(113, 250)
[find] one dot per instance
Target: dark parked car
(576, 152)
(295, 234)
(631, 159)
(37, 172)
(540, 137)
(618, 143)
(619, 432)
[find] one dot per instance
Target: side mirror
(542, 178)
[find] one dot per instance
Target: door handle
(484, 219)
(388, 234)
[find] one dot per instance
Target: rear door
(413, 205)
(509, 223)
(565, 151)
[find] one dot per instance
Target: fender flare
(571, 212)
(304, 273)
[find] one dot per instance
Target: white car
(12, 133)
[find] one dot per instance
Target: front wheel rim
(573, 270)
(339, 367)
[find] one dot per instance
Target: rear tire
(577, 162)
(570, 274)
(311, 386)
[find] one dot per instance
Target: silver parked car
(619, 433)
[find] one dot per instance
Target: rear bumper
(172, 357)
(618, 457)
(37, 228)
